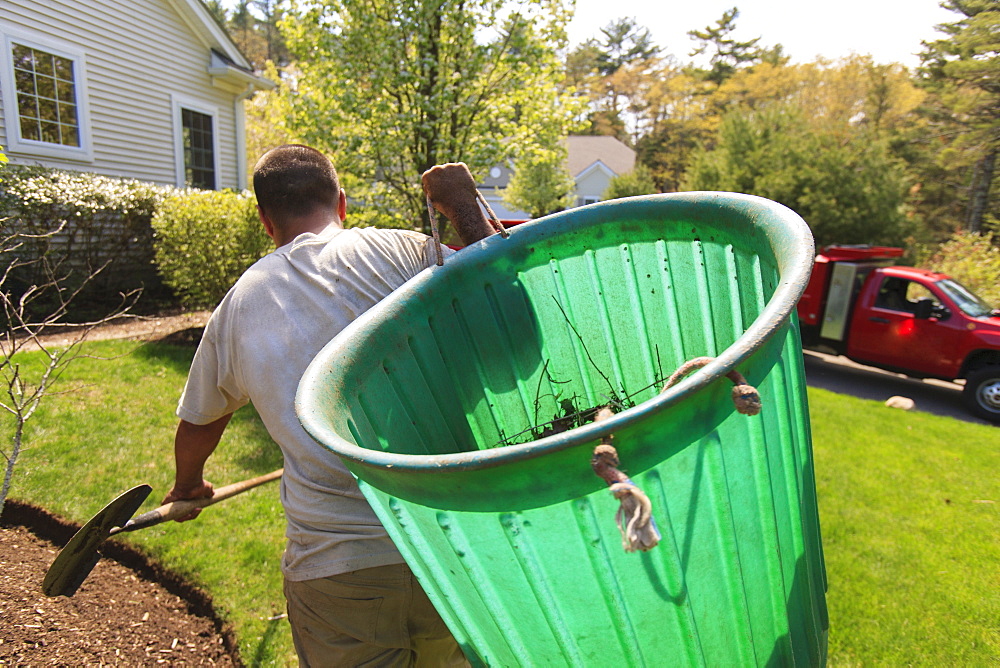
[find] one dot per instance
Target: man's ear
(342, 206)
(266, 222)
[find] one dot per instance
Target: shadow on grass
(264, 651)
(177, 351)
(175, 356)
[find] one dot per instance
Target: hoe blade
(75, 561)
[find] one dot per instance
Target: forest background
(866, 152)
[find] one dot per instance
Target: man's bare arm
(193, 444)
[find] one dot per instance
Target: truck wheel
(982, 393)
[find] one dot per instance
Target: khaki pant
(372, 617)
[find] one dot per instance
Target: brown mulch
(129, 611)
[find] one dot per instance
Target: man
(351, 598)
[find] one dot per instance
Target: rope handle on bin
(745, 396)
(432, 213)
(635, 515)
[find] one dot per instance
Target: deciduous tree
(849, 191)
(393, 87)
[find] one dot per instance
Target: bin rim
(790, 240)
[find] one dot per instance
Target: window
(46, 96)
(196, 144)
(45, 85)
(199, 153)
(590, 199)
(899, 294)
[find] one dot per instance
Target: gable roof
(228, 64)
(583, 151)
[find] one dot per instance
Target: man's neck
(313, 224)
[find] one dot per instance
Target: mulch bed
(129, 611)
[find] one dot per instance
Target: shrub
(973, 259)
(81, 222)
(204, 240)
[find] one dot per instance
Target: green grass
(909, 507)
(114, 431)
(910, 513)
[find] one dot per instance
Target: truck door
(885, 332)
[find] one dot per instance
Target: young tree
(28, 311)
(391, 88)
(637, 182)
(541, 184)
(963, 72)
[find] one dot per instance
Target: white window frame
(178, 103)
(16, 144)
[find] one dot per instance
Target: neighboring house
(592, 160)
(150, 89)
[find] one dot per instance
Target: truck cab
(920, 323)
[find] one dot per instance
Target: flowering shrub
(82, 222)
(204, 240)
(972, 259)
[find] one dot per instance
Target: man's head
(293, 182)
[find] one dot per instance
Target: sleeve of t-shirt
(411, 251)
(212, 389)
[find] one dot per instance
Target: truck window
(892, 295)
(899, 294)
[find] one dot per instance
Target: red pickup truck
(912, 321)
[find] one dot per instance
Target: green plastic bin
(428, 395)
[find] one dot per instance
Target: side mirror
(924, 308)
(928, 308)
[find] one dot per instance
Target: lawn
(909, 507)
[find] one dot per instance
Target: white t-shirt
(257, 345)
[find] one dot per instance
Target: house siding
(592, 183)
(138, 55)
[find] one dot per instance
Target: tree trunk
(979, 195)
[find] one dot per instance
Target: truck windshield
(964, 298)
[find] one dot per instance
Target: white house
(592, 160)
(144, 89)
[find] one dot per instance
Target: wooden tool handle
(175, 509)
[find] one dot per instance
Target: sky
(888, 30)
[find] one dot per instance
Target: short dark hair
(293, 180)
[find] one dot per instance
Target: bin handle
(635, 513)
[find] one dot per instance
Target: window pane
(47, 110)
(50, 132)
(70, 136)
(22, 57)
(67, 114)
(45, 87)
(43, 64)
(24, 80)
(26, 105)
(30, 129)
(64, 69)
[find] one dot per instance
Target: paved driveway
(838, 374)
